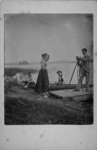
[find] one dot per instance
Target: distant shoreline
(13, 71)
(52, 62)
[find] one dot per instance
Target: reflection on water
(66, 68)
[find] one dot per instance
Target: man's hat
(59, 71)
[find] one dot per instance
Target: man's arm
(88, 58)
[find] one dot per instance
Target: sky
(63, 36)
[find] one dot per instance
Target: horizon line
(35, 62)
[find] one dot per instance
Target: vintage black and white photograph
(48, 69)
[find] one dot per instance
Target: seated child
(60, 77)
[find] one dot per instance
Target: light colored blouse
(43, 64)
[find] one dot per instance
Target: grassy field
(25, 106)
(20, 111)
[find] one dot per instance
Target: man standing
(84, 70)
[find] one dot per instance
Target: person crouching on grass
(42, 84)
(29, 82)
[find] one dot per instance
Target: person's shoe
(25, 86)
(45, 95)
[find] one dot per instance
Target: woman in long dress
(42, 84)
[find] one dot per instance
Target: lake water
(65, 67)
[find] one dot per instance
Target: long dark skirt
(42, 84)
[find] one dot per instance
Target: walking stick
(72, 74)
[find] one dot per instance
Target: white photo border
(77, 137)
